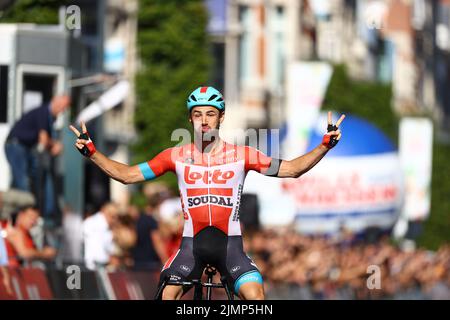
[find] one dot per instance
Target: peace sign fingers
(83, 143)
(83, 127)
(333, 134)
(338, 123)
(74, 130)
(330, 118)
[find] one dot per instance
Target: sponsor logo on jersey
(216, 176)
(185, 268)
(217, 200)
(238, 202)
(175, 278)
(234, 269)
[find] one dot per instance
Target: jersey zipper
(209, 193)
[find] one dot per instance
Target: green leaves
(369, 100)
(436, 229)
(33, 11)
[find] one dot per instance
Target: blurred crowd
(136, 238)
(296, 266)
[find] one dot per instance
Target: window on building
(92, 21)
(37, 89)
(245, 18)
(277, 47)
(217, 76)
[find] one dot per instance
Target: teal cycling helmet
(206, 96)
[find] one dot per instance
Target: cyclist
(211, 175)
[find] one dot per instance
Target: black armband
(274, 168)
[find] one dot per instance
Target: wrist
(92, 150)
(324, 147)
(93, 156)
(326, 142)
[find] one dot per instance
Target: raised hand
(84, 143)
(332, 137)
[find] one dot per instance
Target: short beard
(200, 138)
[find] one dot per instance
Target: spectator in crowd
(71, 237)
(13, 199)
(20, 244)
(124, 240)
(171, 224)
(98, 236)
(4, 273)
(30, 139)
(150, 250)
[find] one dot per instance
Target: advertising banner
(416, 149)
(306, 87)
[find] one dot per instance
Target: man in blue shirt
(30, 136)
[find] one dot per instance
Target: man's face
(60, 104)
(206, 119)
(111, 213)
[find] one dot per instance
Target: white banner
(107, 101)
(356, 192)
(416, 149)
(306, 87)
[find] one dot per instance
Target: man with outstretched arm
(211, 175)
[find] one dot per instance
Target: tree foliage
(369, 100)
(33, 11)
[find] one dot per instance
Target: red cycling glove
(328, 140)
(89, 148)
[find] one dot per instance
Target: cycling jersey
(210, 185)
(210, 188)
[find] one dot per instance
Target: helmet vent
(193, 97)
(212, 97)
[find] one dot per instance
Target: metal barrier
(39, 284)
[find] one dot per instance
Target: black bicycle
(198, 285)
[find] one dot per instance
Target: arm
(159, 245)
(24, 252)
(118, 171)
(300, 165)
(44, 141)
(121, 172)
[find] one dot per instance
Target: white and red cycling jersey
(210, 185)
